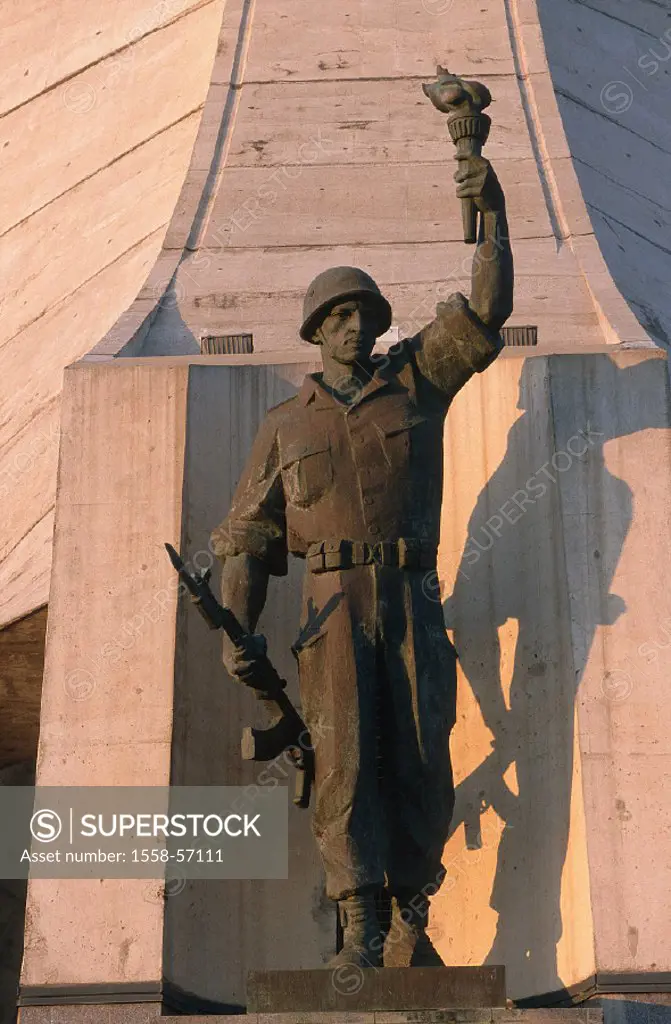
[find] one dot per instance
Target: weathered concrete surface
(616, 545)
(317, 147)
(96, 130)
(517, 889)
(553, 624)
(611, 68)
(107, 699)
(557, 865)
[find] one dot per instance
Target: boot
(362, 942)
(407, 944)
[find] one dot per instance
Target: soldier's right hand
(243, 661)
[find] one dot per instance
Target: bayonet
(288, 732)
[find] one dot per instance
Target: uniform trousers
(378, 692)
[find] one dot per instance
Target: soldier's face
(349, 331)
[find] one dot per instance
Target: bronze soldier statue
(348, 475)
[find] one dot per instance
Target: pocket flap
(408, 423)
(312, 445)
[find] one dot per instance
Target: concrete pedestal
(554, 568)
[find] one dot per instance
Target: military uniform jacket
(321, 471)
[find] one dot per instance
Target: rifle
(288, 732)
(482, 789)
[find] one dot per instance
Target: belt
(405, 553)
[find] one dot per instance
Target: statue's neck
(339, 376)
(346, 381)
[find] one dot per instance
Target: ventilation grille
(226, 344)
(520, 336)
(240, 344)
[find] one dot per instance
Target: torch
(463, 102)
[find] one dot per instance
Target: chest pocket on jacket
(397, 438)
(307, 470)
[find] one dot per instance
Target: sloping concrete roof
(317, 148)
(611, 69)
(99, 109)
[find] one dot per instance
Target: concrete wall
(552, 566)
(518, 889)
(96, 130)
(548, 570)
(318, 148)
(107, 698)
(611, 69)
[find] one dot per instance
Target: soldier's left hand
(476, 179)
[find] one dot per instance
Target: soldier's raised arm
(492, 275)
(464, 337)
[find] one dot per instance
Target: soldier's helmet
(338, 285)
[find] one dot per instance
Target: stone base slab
(137, 1014)
(458, 1016)
(437, 1016)
(151, 1014)
(350, 989)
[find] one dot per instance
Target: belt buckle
(360, 552)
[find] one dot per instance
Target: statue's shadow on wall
(516, 574)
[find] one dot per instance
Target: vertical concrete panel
(217, 931)
(516, 865)
(107, 696)
(616, 529)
